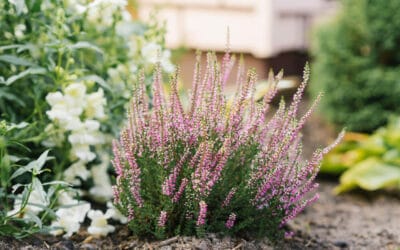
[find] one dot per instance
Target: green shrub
(357, 64)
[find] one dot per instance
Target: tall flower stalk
(220, 165)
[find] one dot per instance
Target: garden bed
(356, 220)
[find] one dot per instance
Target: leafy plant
(33, 206)
(67, 68)
(216, 166)
(370, 162)
(357, 64)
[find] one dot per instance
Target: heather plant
(216, 166)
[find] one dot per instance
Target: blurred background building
(271, 33)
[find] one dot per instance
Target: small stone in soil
(64, 245)
(341, 244)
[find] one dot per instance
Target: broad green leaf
(370, 174)
(16, 60)
(30, 71)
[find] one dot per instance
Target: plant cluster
(33, 205)
(357, 64)
(370, 162)
(217, 165)
(67, 69)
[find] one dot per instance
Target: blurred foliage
(370, 162)
(357, 64)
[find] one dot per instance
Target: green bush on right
(357, 64)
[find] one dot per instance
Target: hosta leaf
(370, 174)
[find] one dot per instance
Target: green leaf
(41, 161)
(16, 60)
(19, 47)
(85, 45)
(35, 165)
(37, 185)
(30, 71)
(370, 174)
(97, 79)
(34, 218)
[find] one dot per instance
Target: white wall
(263, 28)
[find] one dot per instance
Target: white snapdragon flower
(65, 109)
(87, 134)
(166, 63)
(69, 219)
(99, 225)
(151, 52)
(95, 105)
(82, 152)
(102, 11)
(19, 31)
(75, 97)
(102, 189)
(113, 213)
(78, 169)
(76, 6)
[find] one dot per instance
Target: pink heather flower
(201, 219)
(131, 213)
(228, 198)
(289, 235)
(116, 194)
(182, 187)
(231, 221)
(162, 219)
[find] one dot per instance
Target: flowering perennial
(218, 165)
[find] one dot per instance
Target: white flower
(69, 219)
(95, 104)
(115, 214)
(166, 63)
(19, 31)
(101, 11)
(20, 6)
(99, 225)
(76, 91)
(78, 169)
(102, 190)
(55, 98)
(151, 52)
(82, 152)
